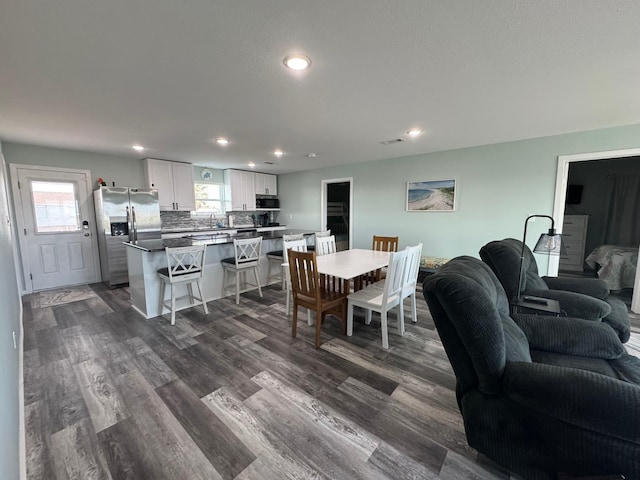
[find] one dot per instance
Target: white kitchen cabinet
(174, 181)
(574, 237)
(266, 184)
(239, 189)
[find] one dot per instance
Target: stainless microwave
(267, 203)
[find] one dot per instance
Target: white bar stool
(185, 265)
(247, 258)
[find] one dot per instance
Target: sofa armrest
(576, 305)
(578, 397)
(593, 287)
(571, 336)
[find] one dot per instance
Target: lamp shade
(549, 243)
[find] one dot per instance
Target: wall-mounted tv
(574, 194)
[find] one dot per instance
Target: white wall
(498, 186)
(10, 321)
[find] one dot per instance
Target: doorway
(562, 177)
(337, 205)
(54, 217)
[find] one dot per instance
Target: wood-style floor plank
(231, 395)
(224, 450)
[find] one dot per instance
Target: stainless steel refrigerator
(123, 214)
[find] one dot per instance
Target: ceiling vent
(391, 142)
(270, 163)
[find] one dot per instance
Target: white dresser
(574, 236)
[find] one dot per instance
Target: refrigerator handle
(134, 223)
(129, 227)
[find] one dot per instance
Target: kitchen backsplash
(200, 221)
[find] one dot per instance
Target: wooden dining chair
(308, 292)
(373, 298)
(380, 244)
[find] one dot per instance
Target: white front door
(56, 227)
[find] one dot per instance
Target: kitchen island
(146, 257)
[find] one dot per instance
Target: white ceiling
(172, 75)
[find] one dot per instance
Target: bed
(615, 265)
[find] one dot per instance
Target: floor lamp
(549, 243)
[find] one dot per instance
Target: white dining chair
(316, 236)
(325, 245)
(184, 265)
(275, 258)
(375, 298)
(298, 246)
(247, 258)
(410, 281)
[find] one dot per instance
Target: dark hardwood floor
(231, 395)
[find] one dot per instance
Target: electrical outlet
(15, 340)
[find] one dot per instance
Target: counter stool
(185, 265)
(276, 258)
(247, 257)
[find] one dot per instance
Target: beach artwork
(432, 196)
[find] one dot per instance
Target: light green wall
(10, 321)
(126, 172)
(497, 187)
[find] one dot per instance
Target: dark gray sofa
(586, 298)
(539, 395)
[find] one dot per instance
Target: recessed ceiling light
(137, 148)
(414, 132)
(222, 141)
(311, 155)
(278, 153)
(297, 62)
(251, 164)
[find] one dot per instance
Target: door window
(55, 206)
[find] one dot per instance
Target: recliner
(585, 298)
(539, 395)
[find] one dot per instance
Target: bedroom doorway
(337, 205)
(562, 182)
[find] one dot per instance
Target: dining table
(351, 264)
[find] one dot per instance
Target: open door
(337, 205)
(562, 177)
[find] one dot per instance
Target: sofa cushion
(595, 365)
(571, 336)
(516, 343)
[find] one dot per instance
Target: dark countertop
(158, 245)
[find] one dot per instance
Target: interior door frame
(17, 204)
(323, 204)
(562, 177)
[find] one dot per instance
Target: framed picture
(431, 196)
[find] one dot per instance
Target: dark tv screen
(574, 194)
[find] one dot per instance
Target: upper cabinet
(266, 184)
(239, 190)
(174, 181)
